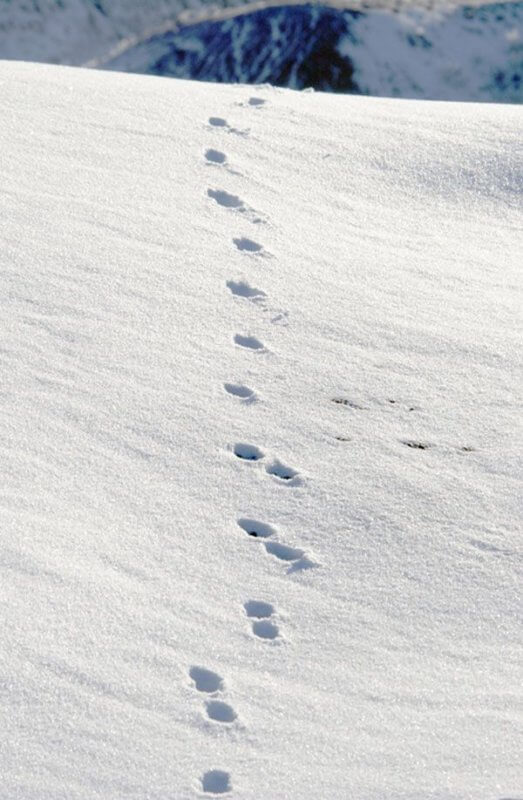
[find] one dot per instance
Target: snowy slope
(285, 314)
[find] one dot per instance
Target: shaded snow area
(464, 53)
(259, 443)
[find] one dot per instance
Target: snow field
(260, 469)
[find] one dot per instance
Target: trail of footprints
(260, 614)
(211, 684)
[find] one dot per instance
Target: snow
(259, 441)
(458, 54)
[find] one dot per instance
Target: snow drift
(259, 464)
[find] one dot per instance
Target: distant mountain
(468, 53)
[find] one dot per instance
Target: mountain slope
(284, 314)
(470, 52)
(464, 53)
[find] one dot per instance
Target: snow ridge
(260, 472)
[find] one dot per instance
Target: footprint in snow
(205, 680)
(283, 473)
(216, 781)
(414, 445)
(294, 556)
(258, 609)
(242, 289)
(255, 528)
(283, 551)
(220, 122)
(247, 245)
(219, 711)
(262, 627)
(232, 201)
(256, 101)
(225, 199)
(215, 156)
(241, 391)
(248, 342)
(343, 401)
(247, 452)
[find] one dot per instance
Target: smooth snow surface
(259, 458)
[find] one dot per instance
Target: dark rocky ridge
(370, 52)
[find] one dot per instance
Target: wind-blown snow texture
(259, 452)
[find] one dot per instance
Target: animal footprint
(282, 472)
(247, 245)
(343, 401)
(239, 390)
(216, 781)
(296, 557)
(219, 711)
(218, 122)
(206, 680)
(247, 452)
(249, 342)
(284, 552)
(255, 528)
(227, 200)
(257, 101)
(242, 289)
(262, 627)
(414, 445)
(215, 156)
(258, 609)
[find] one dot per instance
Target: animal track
(247, 245)
(281, 472)
(225, 199)
(242, 289)
(216, 781)
(247, 452)
(283, 551)
(262, 627)
(259, 609)
(255, 528)
(220, 711)
(249, 342)
(233, 202)
(416, 445)
(239, 390)
(215, 156)
(342, 401)
(206, 680)
(220, 122)
(256, 101)
(265, 629)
